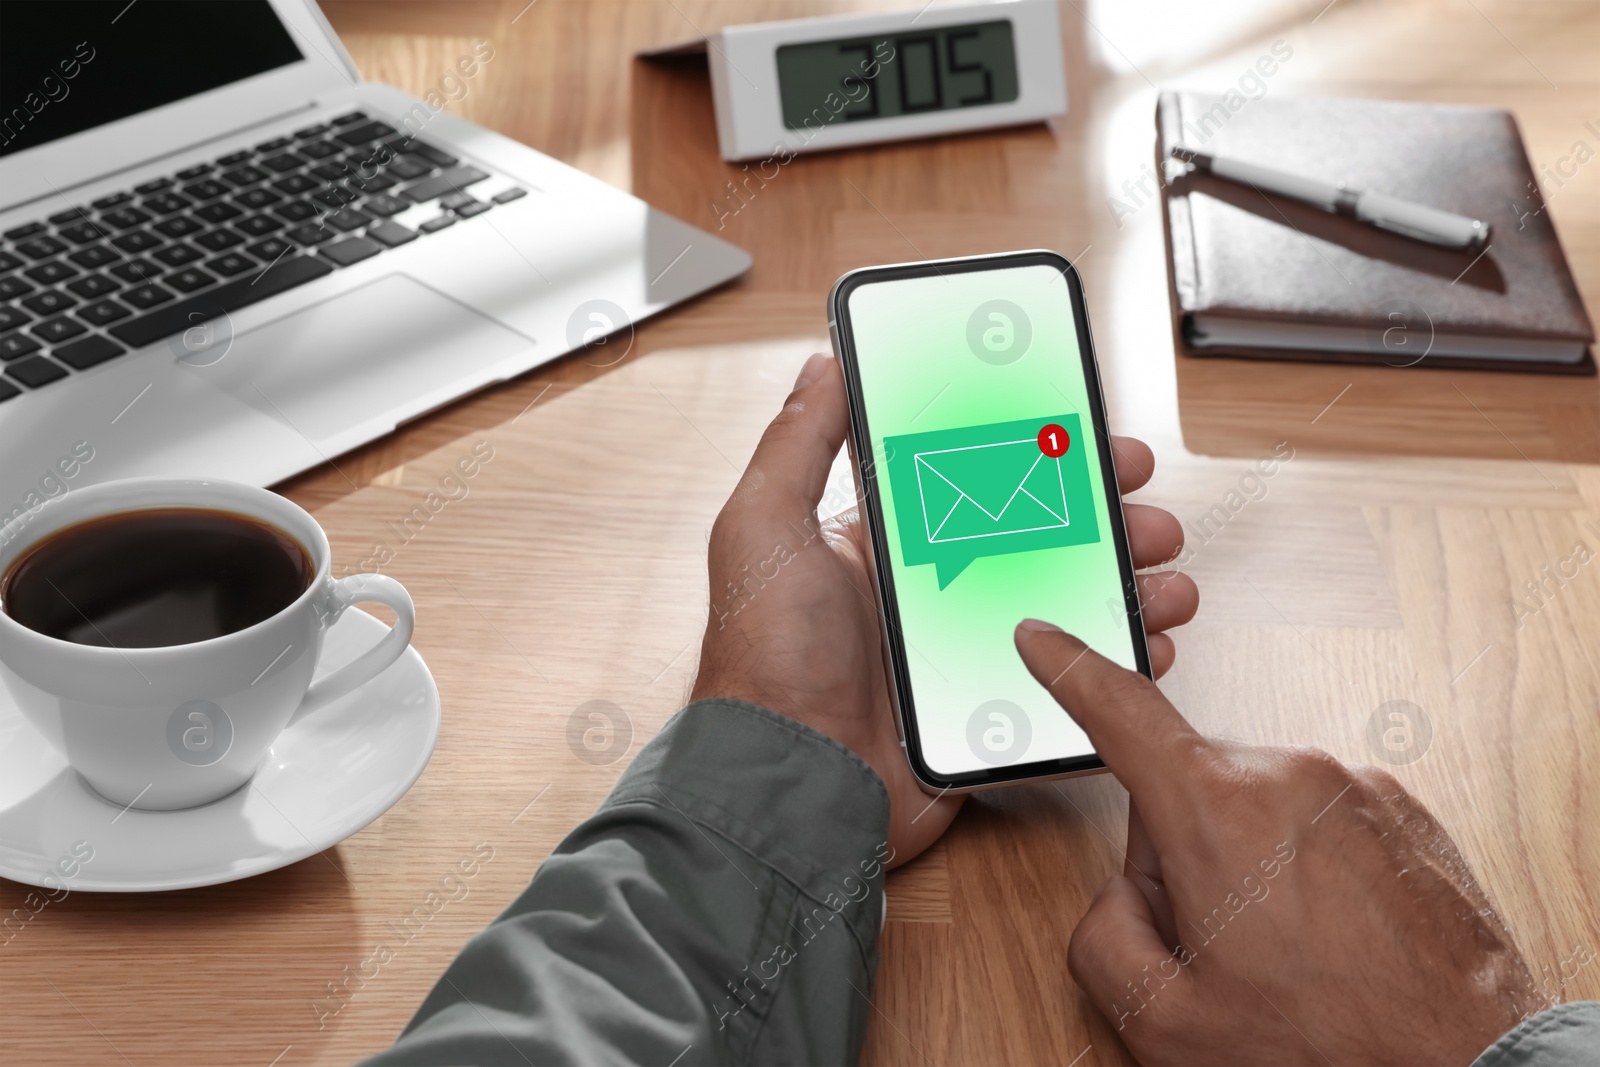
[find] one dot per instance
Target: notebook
(1260, 276)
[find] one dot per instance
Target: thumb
(789, 469)
(1117, 956)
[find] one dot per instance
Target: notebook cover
(1234, 251)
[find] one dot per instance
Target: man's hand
(1276, 906)
(794, 620)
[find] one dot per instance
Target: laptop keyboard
(87, 285)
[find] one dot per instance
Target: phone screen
(991, 481)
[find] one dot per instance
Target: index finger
(1134, 460)
(1141, 737)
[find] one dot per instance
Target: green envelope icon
(989, 490)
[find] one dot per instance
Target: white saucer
(322, 780)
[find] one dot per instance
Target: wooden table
(1383, 563)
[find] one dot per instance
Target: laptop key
(12, 287)
(17, 233)
(92, 286)
(81, 355)
(295, 184)
(231, 264)
(50, 272)
(9, 261)
(477, 207)
(152, 186)
(312, 131)
(298, 211)
(455, 200)
(234, 158)
(258, 225)
(176, 255)
(351, 250)
(230, 296)
(256, 199)
(354, 116)
(208, 189)
(331, 171)
(283, 163)
(432, 153)
(7, 390)
(93, 256)
(83, 233)
(166, 203)
(16, 345)
(196, 171)
(135, 271)
(312, 233)
(59, 328)
(46, 303)
(11, 318)
(102, 312)
(435, 225)
(36, 371)
(146, 296)
(384, 205)
(219, 212)
(274, 144)
(245, 176)
(334, 199)
(177, 226)
(375, 184)
(137, 241)
(347, 220)
(319, 149)
(516, 192)
(61, 218)
(450, 181)
(367, 131)
(189, 279)
(218, 239)
(270, 249)
(406, 169)
(106, 203)
(391, 233)
(126, 218)
(42, 247)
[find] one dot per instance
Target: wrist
(848, 730)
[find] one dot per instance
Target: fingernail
(1039, 626)
(812, 370)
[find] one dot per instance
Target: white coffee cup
(182, 725)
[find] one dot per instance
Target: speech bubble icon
(992, 490)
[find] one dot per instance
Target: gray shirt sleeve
(723, 905)
(1567, 1035)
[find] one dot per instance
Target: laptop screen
(69, 67)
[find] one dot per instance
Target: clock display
(917, 71)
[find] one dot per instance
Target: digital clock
(809, 85)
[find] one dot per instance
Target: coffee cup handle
(341, 594)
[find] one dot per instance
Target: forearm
(722, 906)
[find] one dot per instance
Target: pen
(1387, 212)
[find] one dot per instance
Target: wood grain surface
(1384, 562)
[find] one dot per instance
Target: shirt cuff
(1565, 1036)
(786, 794)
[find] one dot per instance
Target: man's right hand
(1276, 906)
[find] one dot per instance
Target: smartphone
(984, 472)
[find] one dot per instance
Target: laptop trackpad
(381, 352)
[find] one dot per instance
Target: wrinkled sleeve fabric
(723, 905)
(1567, 1035)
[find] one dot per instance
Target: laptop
(224, 254)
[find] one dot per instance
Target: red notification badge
(1053, 441)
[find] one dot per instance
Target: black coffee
(165, 576)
